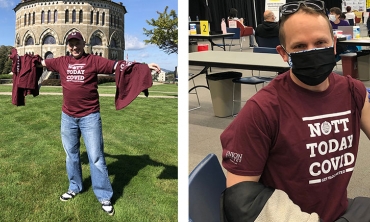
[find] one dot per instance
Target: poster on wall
(274, 5)
(356, 5)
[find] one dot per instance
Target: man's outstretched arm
(152, 66)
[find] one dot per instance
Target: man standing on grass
(81, 116)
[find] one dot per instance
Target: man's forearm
(252, 201)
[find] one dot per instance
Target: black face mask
(314, 66)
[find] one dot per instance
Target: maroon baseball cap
(75, 35)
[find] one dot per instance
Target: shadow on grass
(127, 167)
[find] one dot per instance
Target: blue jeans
(90, 127)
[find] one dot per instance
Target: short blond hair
(302, 9)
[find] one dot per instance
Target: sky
(138, 11)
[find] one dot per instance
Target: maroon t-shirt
(79, 79)
(302, 142)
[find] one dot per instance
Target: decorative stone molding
(109, 27)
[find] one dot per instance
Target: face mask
(332, 18)
(313, 66)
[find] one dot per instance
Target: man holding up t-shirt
(81, 116)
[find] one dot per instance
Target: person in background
(337, 18)
(233, 15)
(334, 18)
(343, 17)
(291, 150)
(269, 28)
(350, 15)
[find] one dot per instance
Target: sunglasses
(292, 7)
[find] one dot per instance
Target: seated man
(233, 15)
(291, 150)
(269, 27)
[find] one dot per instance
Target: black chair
(271, 50)
(265, 50)
(351, 22)
(254, 80)
(236, 36)
(244, 80)
(191, 75)
(206, 183)
(267, 42)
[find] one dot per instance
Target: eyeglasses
(292, 7)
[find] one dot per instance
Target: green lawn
(141, 154)
(109, 88)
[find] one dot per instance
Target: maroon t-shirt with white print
(302, 142)
(79, 79)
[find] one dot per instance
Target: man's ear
(282, 53)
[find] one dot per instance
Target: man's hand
(155, 67)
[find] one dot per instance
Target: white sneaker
(67, 196)
(107, 207)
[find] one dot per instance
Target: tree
(5, 63)
(164, 35)
(7, 66)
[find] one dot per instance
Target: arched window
(67, 53)
(103, 18)
(97, 18)
(42, 17)
(33, 18)
(80, 16)
(55, 16)
(73, 16)
(25, 19)
(100, 54)
(29, 41)
(95, 40)
(113, 43)
(29, 18)
(111, 20)
(67, 16)
(49, 16)
(96, 53)
(49, 55)
(91, 17)
(49, 40)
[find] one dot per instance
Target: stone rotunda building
(42, 27)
